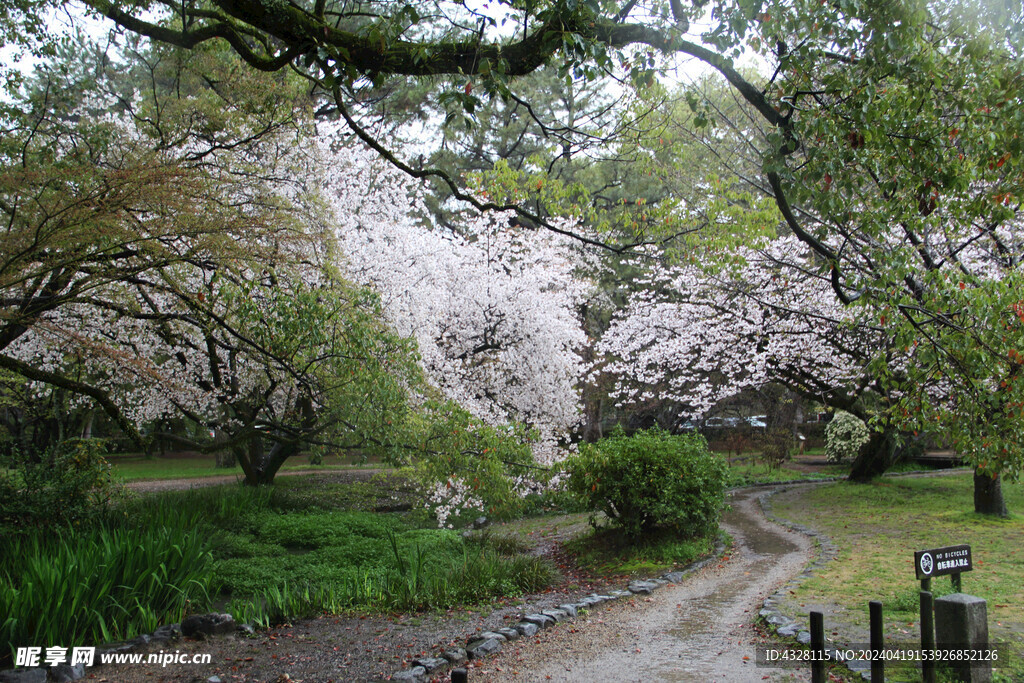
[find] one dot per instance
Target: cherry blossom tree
(697, 334)
(494, 310)
(164, 258)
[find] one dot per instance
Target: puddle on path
(758, 536)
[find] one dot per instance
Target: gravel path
(699, 630)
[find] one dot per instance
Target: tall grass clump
(479, 574)
(73, 587)
(416, 577)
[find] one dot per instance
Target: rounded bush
(844, 436)
(651, 479)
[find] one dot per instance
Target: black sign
(941, 561)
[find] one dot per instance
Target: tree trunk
(279, 453)
(87, 427)
(225, 458)
(875, 457)
(988, 495)
(259, 466)
(254, 462)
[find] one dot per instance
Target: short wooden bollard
(460, 676)
(927, 637)
(817, 647)
(877, 642)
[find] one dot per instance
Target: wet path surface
(698, 630)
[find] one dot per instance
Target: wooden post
(817, 647)
(926, 585)
(877, 642)
(955, 580)
(927, 638)
(460, 676)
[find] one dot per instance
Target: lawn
(134, 467)
(749, 474)
(877, 528)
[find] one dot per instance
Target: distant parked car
(758, 421)
(720, 422)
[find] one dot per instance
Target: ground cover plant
(287, 544)
(877, 528)
(304, 547)
(606, 552)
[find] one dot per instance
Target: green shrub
(651, 479)
(844, 436)
(68, 484)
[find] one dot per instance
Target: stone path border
(479, 645)
(770, 613)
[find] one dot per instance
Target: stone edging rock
(479, 645)
(195, 626)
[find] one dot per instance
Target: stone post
(961, 622)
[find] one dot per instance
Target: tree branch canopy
(296, 31)
(284, 32)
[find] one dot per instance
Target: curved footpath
(698, 630)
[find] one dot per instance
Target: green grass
(877, 527)
(138, 468)
(745, 474)
(606, 551)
